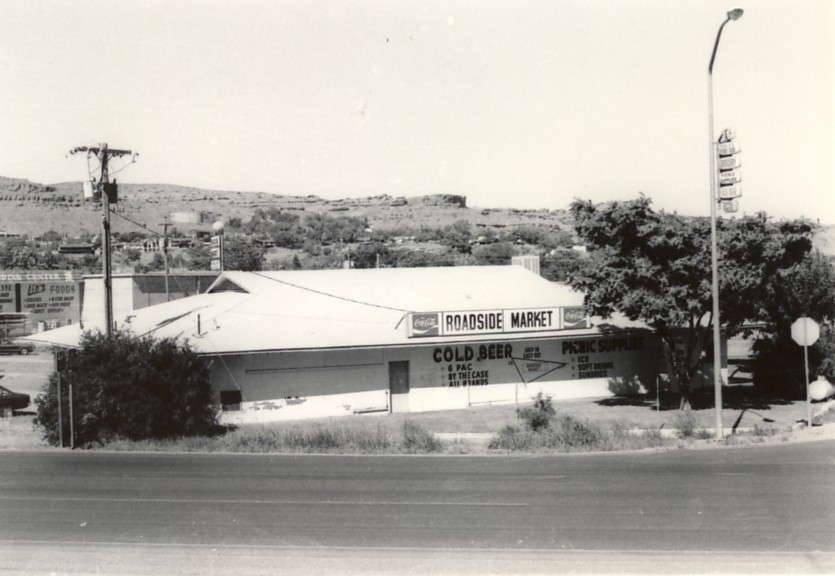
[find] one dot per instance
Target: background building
(135, 291)
(37, 300)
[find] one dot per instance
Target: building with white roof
(293, 344)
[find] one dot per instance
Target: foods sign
(51, 297)
(467, 323)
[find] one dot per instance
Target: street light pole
(734, 14)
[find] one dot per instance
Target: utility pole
(108, 192)
(165, 226)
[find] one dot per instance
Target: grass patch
(417, 440)
(301, 438)
(545, 430)
(687, 425)
(568, 434)
(764, 431)
(596, 424)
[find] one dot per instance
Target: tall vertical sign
(217, 251)
(728, 164)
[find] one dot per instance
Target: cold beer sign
(476, 322)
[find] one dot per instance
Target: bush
(686, 424)
(540, 414)
(130, 387)
(417, 439)
(300, 437)
(571, 432)
(568, 434)
(239, 254)
(514, 439)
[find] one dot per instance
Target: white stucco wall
(295, 384)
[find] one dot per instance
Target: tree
(132, 236)
(51, 236)
(457, 236)
(805, 289)
(418, 259)
(370, 255)
(560, 265)
(125, 386)
(238, 254)
(197, 257)
(326, 229)
(132, 256)
(156, 264)
(19, 254)
(655, 267)
(493, 254)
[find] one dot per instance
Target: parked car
(12, 400)
(11, 347)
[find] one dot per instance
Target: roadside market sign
(805, 331)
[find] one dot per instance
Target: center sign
(465, 323)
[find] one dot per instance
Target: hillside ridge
(33, 208)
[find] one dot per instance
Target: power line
(176, 279)
(123, 217)
(329, 295)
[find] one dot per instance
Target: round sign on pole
(805, 331)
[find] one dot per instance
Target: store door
(399, 386)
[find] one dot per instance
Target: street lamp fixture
(734, 14)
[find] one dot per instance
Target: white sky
(511, 103)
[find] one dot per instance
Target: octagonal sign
(805, 331)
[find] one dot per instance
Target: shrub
(764, 431)
(306, 438)
(513, 438)
(540, 414)
(565, 433)
(687, 426)
(239, 254)
(131, 387)
(568, 434)
(652, 435)
(417, 439)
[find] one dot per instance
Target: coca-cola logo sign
(574, 317)
(426, 324)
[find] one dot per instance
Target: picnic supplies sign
(479, 322)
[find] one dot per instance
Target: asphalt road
(767, 509)
(26, 374)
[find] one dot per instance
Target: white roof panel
(333, 308)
